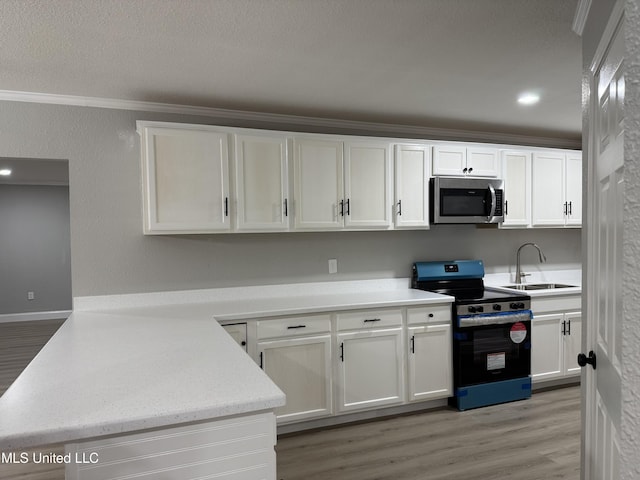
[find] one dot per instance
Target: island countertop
(126, 363)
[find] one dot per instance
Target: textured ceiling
(433, 63)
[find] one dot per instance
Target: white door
(483, 162)
(319, 187)
(430, 364)
(548, 189)
(516, 168)
(186, 176)
(546, 346)
(412, 186)
(572, 342)
(301, 367)
(261, 183)
(449, 160)
(602, 386)
(370, 372)
(367, 172)
(574, 189)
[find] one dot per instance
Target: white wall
(110, 255)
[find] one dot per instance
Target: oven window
(489, 353)
(461, 202)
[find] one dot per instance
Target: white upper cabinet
(516, 172)
(261, 183)
(411, 208)
(367, 172)
(318, 184)
(556, 189)
(574, 188)
(460, 160)
(333, 191)
(185, 178)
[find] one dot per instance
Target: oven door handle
(494, 319)
(492, 210)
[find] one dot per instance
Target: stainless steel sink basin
(539, 286)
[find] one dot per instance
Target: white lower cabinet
(556, 341)
(300, 365)
(370, 373)
(348, 361)
(430, 366)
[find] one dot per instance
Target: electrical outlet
(333, 265)
(31, 295)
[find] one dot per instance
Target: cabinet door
(237, 331)
(449, 160)
(366, 183)
(186, 180)
(261, 183)
(318, 171)
(483, 162)
(411, 186)
(546, 346)
(574, 189)
(430, 370)
(548, 189)
(301, 367)
(516, 167)
(370, 369)
(572, 342)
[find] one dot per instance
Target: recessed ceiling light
(528, 98)
(5, 172)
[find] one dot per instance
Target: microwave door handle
(492, 211)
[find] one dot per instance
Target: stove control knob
(521, 305)
(515, 306)
(480, 309)
(497, 307)
(472, 309)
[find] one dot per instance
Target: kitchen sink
(538, 286)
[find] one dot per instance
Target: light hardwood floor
(528, 440)
(536, 439)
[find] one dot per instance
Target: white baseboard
(33, 316)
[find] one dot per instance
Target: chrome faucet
(519, 273)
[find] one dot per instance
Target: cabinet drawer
(369, 319)
(430, 314)
(556, 303)
(293, 326)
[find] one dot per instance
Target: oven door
(466, 200)
(487, 352)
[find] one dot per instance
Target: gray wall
(110, 255)
(34, 248)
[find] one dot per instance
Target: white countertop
(131, 362)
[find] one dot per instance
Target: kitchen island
(150, 384)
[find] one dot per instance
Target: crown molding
(287, 121)
(580, 18)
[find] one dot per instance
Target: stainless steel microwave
(466, 200)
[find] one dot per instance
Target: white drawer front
(430, 314)
(293, 326)
(556, 303)
(369, 319)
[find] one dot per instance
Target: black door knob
(583, 360)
